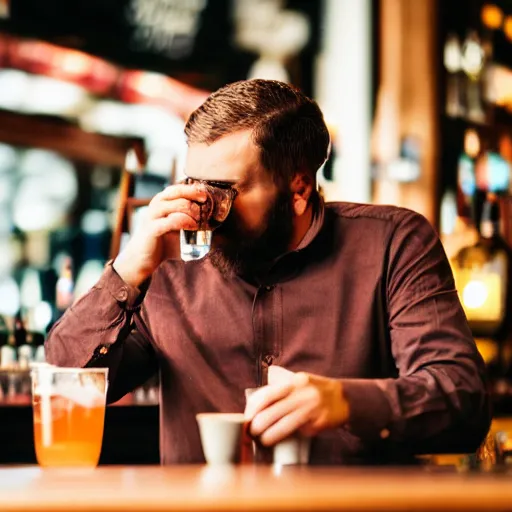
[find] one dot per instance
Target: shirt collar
(316, 223)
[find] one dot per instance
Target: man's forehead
(230, 158)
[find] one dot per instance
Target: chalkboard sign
(191, 40)
(168, 36)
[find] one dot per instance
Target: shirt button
(122, 294)
(384, 433)
(268, 288)
(268, 359)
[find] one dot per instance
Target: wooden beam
(65, 138)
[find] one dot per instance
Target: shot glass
(221, 437)
(195, 245)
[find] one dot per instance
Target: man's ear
(301, 188)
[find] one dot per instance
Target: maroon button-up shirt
(368, 298)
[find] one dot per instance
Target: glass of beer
(69, 412)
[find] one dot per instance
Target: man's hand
(173, 209)
(307, 403)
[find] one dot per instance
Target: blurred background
(94, 95)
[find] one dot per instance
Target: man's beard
(243, 253)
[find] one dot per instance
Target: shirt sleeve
(439, 401)
(104, 329)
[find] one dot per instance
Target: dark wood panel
(65, 138)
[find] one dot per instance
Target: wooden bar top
(252, 488)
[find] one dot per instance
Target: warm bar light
(481, 295)
(492, 16)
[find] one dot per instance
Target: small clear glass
(195, 245)
(69, 412)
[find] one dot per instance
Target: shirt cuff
(128, 296)
(369, 409)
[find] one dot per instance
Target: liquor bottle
(4, 331)
(8, 354)
(473, 61)
(452, 61)
(65, 285)
(33, 350)
(482, 275)
(23, 342)
(466, 178)
(9, 364)
(39, 356)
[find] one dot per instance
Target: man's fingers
(284, 428)
(192, 192)
(160, 208)
(173, 222)
(264, 419)
(264, 397)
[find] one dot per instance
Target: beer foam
(85, 395)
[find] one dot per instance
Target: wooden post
(407, 100)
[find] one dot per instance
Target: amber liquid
(75, 434)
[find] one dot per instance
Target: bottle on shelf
(466, 173)
(23, 342)
(40, 354)
(33, 350)
(8, 353)
(65, 285)
(8, 365)
(482, 275)
(452, 57)
(4, 331)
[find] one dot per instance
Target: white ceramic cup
(221, 436)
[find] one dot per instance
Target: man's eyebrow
(220, 183)
(215, 183)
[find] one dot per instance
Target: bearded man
(358, 300)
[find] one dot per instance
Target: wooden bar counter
(252, 488)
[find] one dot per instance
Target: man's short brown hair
(286, 125)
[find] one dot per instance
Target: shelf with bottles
(476, 38)
(57, 217)
(482, 270)
(476, 88)
(486, 108)
(475, 162)
(476, 176)
(16, 390)
(467, 76)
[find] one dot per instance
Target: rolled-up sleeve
(439, 401)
